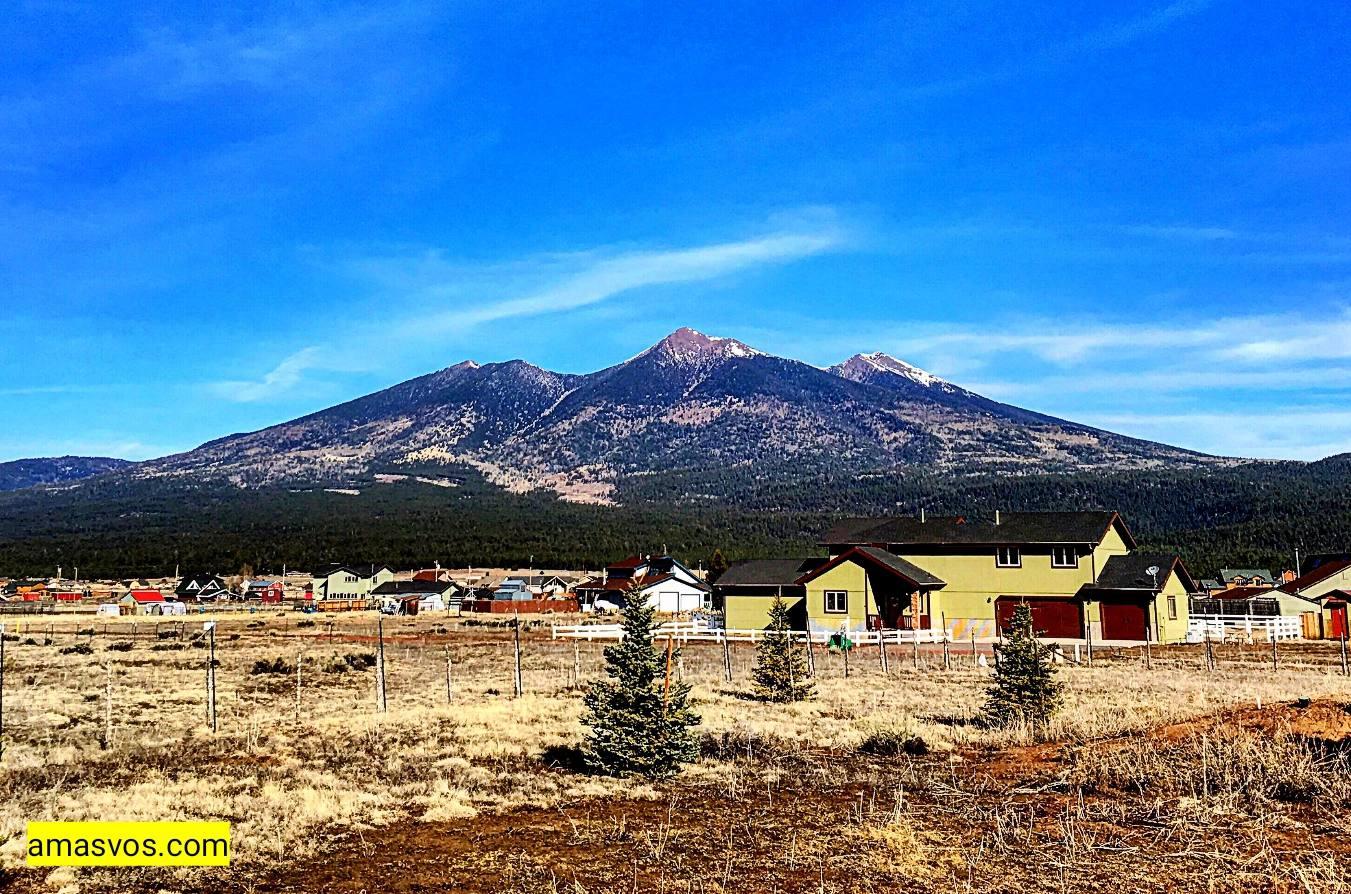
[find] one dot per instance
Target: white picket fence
(1247, 627)
(697, 631)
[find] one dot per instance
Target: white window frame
(842, 595)
(1015, 553)
(1172, 608)
(1071, 552)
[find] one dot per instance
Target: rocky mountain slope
(22, 473)
(690, 401)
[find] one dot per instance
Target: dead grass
(294, 783)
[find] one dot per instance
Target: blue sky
(1131, 214)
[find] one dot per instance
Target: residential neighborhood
(925, 578)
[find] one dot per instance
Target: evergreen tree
(1025, 689)
(636, 728)
(716, 566)
(780, 673)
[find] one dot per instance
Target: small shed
(138, 602)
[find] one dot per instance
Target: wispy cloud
(282, 378)
(605, 275)
(414, 289)
(1111, 36)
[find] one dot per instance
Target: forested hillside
(1245, 515)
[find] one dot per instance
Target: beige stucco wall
(1170, 629)
(752, 612)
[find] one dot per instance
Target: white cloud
(604, 277)
(282, 378)
(415, 288)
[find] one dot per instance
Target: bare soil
(996, 821)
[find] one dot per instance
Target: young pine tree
(717, 565)
(636, 729)
(780, 672)
(1025, 689)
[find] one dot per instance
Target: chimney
(921, 515)
(996, 517)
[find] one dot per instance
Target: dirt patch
(1322, 721)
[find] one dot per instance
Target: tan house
(1319, 596)
(1079, 572)
(349, 583)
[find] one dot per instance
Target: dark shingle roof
(1131, 572)
(901, 566)
(1231, 573)
(880, 557)
(412, 588)
(766, 572)
(1311, 577)
(1014, 528)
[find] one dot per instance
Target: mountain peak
(688, 346)
(867, 367)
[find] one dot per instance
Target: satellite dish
(1152, 569)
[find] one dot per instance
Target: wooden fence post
(300, 656)
(448, 689)
(1275, 661)
(915, 635)
(2, 690)
(844, 647)
(517, 679)
(108, 706)
(210, 674)
(576, 664)
(1210, 653)
(811, 656)
(1346, 669)
(381, 699)
(947, 656)
(882, 650)
(973, 646)
(666, 686)
(726, 656)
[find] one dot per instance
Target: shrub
(638, 725)
(123, 646)
(892, 742)
(780, 671)
(277, 665)
(1025, 689)
(78, 649)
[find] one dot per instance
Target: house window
(1172, 608)
(1064, 557)
(1008, 557)
(837, 602)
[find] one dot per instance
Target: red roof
(630, 562)
(1322, 572)
(1240, 592)
(146, 595)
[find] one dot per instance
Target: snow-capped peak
(689, 347)
(863, 367)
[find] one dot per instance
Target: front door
(1125, 620)
(1337, 629)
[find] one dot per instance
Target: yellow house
(1078, 572)
(1321, 595)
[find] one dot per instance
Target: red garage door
(1055, 618)
(1124, 620)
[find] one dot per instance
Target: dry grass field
(1161, 779)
